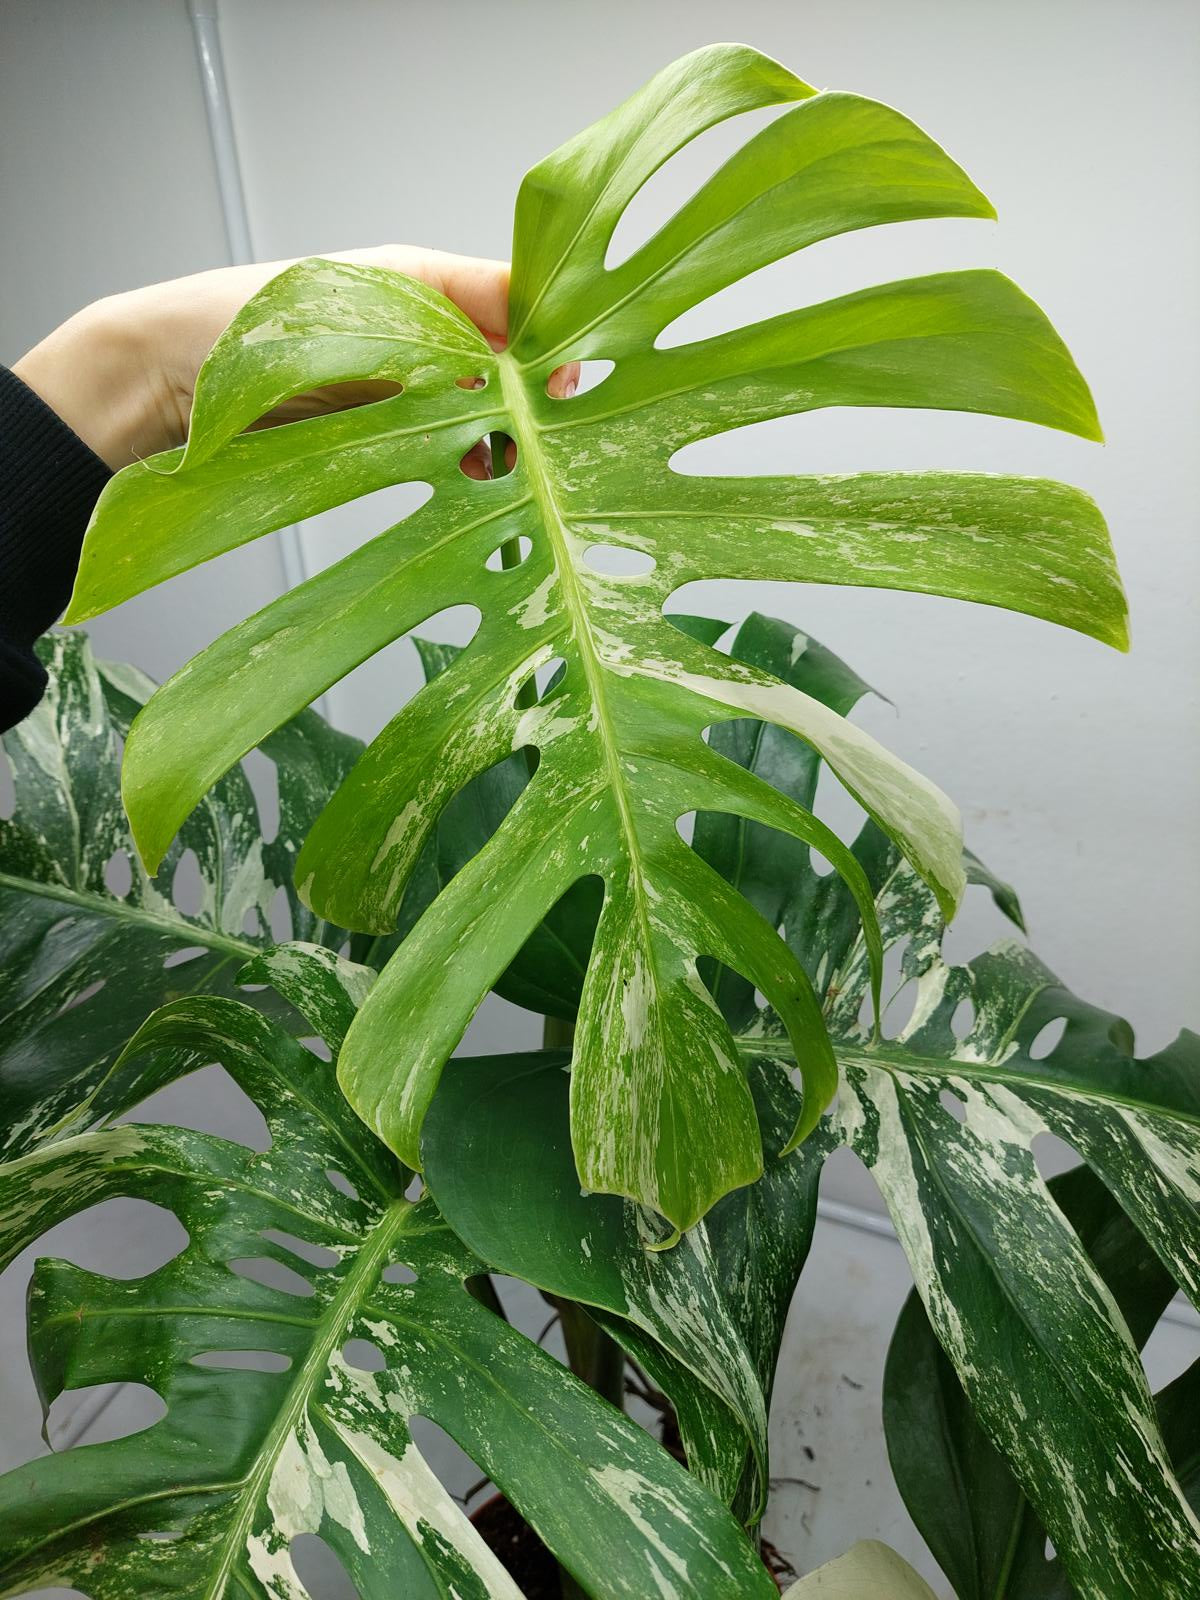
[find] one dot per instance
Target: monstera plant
(653, 1171)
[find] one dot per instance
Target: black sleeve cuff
(49, 483)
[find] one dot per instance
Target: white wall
(1077, 769)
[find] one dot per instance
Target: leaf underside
(620, 752)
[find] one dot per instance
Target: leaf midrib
(332, 1325)
(103, 906)
(528, 432)
(982, 1072)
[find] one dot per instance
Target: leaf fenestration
(207, 1501)
(620, 739)
(81, 965)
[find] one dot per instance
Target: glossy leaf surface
(960, 1492)
(83, 963)
(620, 752)
(944, 1117)
(314, 1439)
(498, 1159)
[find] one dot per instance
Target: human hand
(122, 372)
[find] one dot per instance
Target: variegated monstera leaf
(288, 1402)
(85, 957)
(944, 1115)
(661, 1111)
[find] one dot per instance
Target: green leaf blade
(601, 806)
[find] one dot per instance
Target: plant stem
(591, 1353)
(557, 1033)
(484, 1290)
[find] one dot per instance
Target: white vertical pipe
(206, 27)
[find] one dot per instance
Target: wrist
(97, 373)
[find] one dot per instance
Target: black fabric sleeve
(49, 483)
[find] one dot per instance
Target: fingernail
(569, 388)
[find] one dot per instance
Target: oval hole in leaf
(100, 1412)
(320, 1569)
(618, 561)
(8, 790)
(364, 1355)
(82, 998)
(177, 958)
(340, 1182)
(1052, 1155)
(478, 381)
(898, 1010)
(317, 1255)
(685, 826)
(549, 676)
(208, 1101)
(453, 625)
(476, 464)
(243, 1360)
(504, 557)
(679, 178)
(1047, 1039)
(891, 989)
(950, 1102)
(187, 885)
(963, 1019)
(272, 1275)
(591, 375)
(445, 1457)
(349, 396)
(118, 874)
(318, 1047)
(263, 776)
(398, 1272)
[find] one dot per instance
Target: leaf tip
(669, 1243)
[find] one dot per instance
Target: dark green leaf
(207, 1501)
(82, 966)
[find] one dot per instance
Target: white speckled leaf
(619, 739)
(1032, 1332)
(81, 965)
(967, 1505)
(1037, 1342)
(206, 1502)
